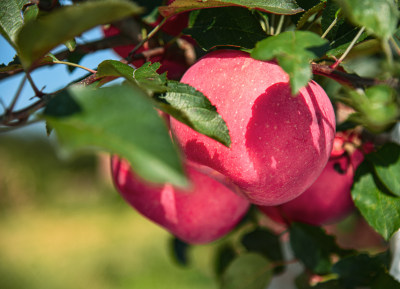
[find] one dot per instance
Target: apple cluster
(285, 156)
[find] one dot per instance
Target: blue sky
(48, 78)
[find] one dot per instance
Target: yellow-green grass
(63, 226)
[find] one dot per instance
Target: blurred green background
(63, 225)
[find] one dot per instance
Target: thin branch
(349, 48)
(330, 28)
(280, 24)
(38, 93)
(86, 48)
(10, 109)
(144, 40)
(24, 114)
(352, 80)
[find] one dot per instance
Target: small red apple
(280, 143)
(328, 200)
(202, 214)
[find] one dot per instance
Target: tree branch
(351, 80)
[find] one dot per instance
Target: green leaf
(379, 17)
(180, 100)
(286, 7)
(41, 35)
(306, 15)
(248, 271)
(294, 51)
(191, 107)
(120, 120)
(147, 77)
(31, 13)
(11, 19)
(360, 270)
(224, 255)
(379, 208)
(385, 280)
(387, 166)
(15, 64)
(330, 13)
(116, 69)
(264, 242)
(376, 108)
(232, 26)
(313, 247)
(71, 44)
(179, 250)
(339, 45)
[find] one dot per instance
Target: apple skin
(328, 200)
(279, 143)
(206, 212)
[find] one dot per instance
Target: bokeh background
(62, 224)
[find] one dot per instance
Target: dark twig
(348, 79)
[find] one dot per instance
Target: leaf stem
(272, 25)
(329, 28)
(144, 40)
(394, 44)
(348, 48)
(74, 64)
(280, 24)
(388, 52)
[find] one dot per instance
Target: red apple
(202, 214)
(280, 143)
(328, 200)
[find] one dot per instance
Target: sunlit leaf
(11, 19)
(294, 51)
(287, 7)
(120, 120)
(191, 107)
(179, 100)
(376, 107)
(380, 208)
(387, 166)
(41, 35)
(377, 16)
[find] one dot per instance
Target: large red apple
(280, 143)
(202, 214)
(328, 200)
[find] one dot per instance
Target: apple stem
(348, 48)
(144, 40)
